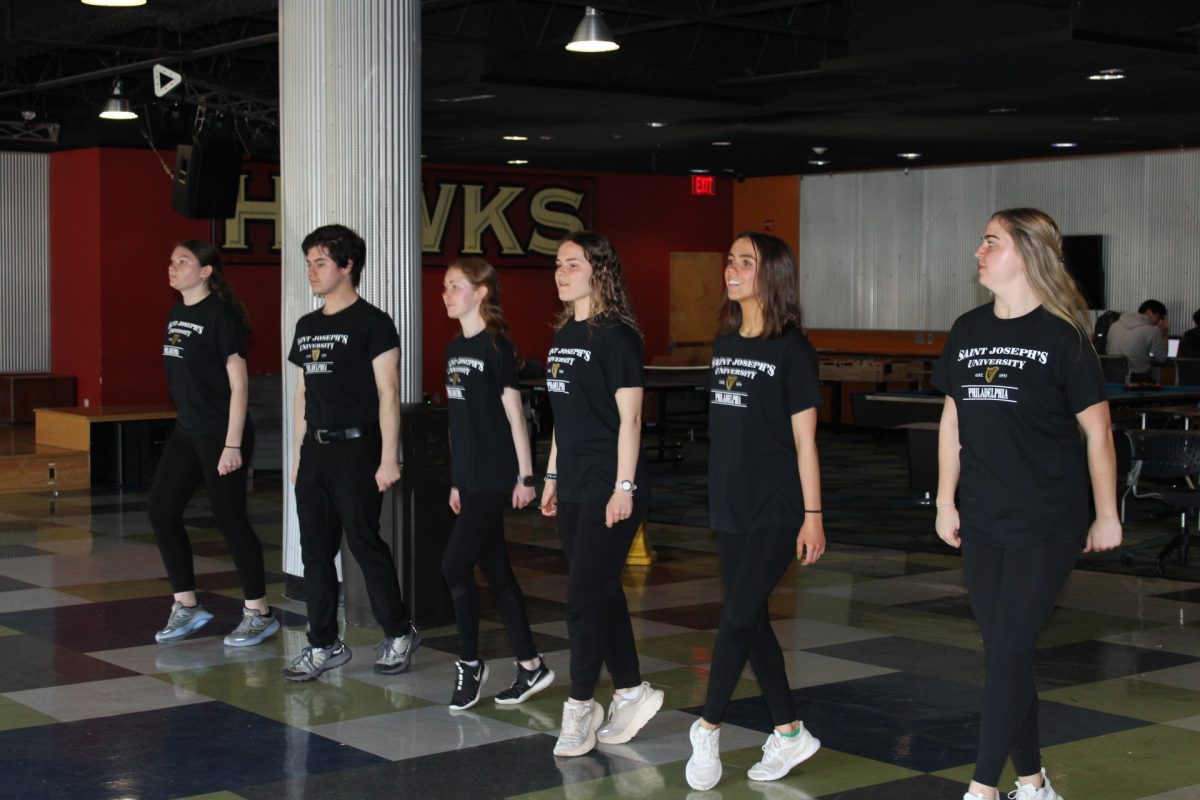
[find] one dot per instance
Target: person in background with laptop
(1141, 338)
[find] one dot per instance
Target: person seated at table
(1141, 338)
(1189, 345)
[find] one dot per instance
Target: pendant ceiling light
(116, 3)
(592, 35)
(117, 106)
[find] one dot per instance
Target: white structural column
(350, 109)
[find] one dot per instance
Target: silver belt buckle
(319, 434)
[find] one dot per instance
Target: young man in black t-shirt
(347, 417)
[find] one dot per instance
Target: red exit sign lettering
(704, 184)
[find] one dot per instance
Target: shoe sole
(588, 745)
(542, 683)
(644, 714)
(332, 663)
(403, 665)
(187, 630)
(805, 755)
(267, 631)
(478, 692)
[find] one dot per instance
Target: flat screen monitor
(1084, 256)
(1172, 347)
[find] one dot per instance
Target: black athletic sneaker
(528, 683)
(468, 684)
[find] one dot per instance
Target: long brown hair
(775, 282)
(609, 293)
(1039, 243)
(209, 256)
(480, 273)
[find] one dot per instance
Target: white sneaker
(969, 796)
(579, 723)
(1028, 792)
(626, 717)
(703, 769)
(781, 753)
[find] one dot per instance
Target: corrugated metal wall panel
(25, 262)
(888, 250)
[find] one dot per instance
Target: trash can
(415, 522)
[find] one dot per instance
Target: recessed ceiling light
(1064, 144)
(721, 143)
(517, 161)
(545, 138)
(909, 156)
(818, 162)
(698, 171)
(1108, 75)
(515, 137)
(1002, 110)
(617, 136)
(656, 124)
(819, 149)
(465, 99)
(115, 3)
(1106, 119)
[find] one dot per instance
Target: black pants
(189, 460)
(478, 538)
(336, 492)
(598, 623)
(751, 565)
(1012, 592)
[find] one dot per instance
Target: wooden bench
(122, 442)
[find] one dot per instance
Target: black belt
(327, 435)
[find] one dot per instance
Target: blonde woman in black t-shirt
(1021, 381)
(204, 354)
(491, 467)
(764, 494)
(595, 486)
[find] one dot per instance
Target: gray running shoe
(182, 623)
(394, 652)
(253, 628)
(312, 661)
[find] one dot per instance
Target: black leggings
(1012, 592)
(598, 623)
(189, 460)
(478, 538)
(751, 565)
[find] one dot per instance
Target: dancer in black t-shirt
(347, 418)
(1021, 381)
(594, 381)
(764, 478)
(491, 466)
(205, 358)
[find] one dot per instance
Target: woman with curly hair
(594, 381)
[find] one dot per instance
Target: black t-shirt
(755, 386)
(336, 351)
(200, 339)
(482, 455)
(1017, 385)
(588, 362)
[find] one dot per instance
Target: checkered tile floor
(880, 646)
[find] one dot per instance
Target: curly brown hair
(609, 293)
(778, 290)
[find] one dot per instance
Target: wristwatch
(628, 487)
(527, 480)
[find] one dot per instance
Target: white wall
(889, 250)
(24, 262)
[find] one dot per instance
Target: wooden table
(120, 440)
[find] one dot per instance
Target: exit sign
(704, 184)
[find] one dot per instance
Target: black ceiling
(954, 80)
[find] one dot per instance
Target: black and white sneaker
(468, 684)
(528, 683)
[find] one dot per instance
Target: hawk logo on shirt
(989, 374)
(730, 380)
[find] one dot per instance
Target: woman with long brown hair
(1022, 381)
(764, 479)
(491, 467)
(205, 358)
(595, 486)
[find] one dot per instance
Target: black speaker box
(206, 181)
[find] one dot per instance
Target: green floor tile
(121, 590)
(889, 620)
(1069, 625)
(680, 648)
(687, 686)
(8, 631)
(257, 686)
(1131, 697)
(13, 715)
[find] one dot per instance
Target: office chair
(1171, 457)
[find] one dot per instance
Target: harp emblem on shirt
(454, 378)
(730, 380)
(990, 373)
(316, 354)
(175, 338)
(554, 370)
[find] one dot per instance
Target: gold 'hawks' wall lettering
(513, 221)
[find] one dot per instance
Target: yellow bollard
(640, 554)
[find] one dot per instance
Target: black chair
(1187, 371)
(1172, 458)
(1116, 369)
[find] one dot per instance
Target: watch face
(626, 486)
